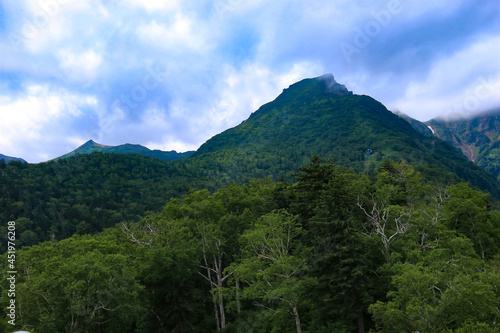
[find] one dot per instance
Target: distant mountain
(91, 146)
(477, 137)
(319, 116)
(8, 159)
(419, 126)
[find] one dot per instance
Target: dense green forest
(333, 251)
(86, 194)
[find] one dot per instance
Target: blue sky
(171, 74)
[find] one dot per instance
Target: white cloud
(36, 118)
(171, 142)
(156, 118)
(453, 82)
(82, 66)
(243, 91)
(153, 5)
(181, 33)
(76, 141)
(42, 24)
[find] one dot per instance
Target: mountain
(91, 189)
(295, 246)
(420, 127)
(8, 159)
(91, 146)
(477, 137)
(319, 116)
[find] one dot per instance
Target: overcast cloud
(171, 74)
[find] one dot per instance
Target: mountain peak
(91, 146)
(92, 143)
(314, 87)
(89, 143)
(328, 77)
(333, 86)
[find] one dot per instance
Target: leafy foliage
(86, 194)
(304, 256)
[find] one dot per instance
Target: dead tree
(386, 224)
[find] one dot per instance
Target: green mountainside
(90, 147)
(312, 118)
(419, 126)
(86, 192)
(477, 137)
(7, 159)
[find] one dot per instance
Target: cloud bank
(171, 74)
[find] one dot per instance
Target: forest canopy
(334, 251)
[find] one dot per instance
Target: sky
(171, 74)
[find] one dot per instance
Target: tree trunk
(238, 305)
(297, 318)
(209, 278)
(216, 316)
(221, 304)
(361, 325)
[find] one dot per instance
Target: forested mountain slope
(312, 118)
(7, 159)
(384, 238)
(477, 137)
(91, 146)
(86, 193)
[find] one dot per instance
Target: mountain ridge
(88, 192)
(320, 117)
(308, 119)
(8, 159)
(91, 146)
(476, 137)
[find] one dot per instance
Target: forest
(327, 249)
